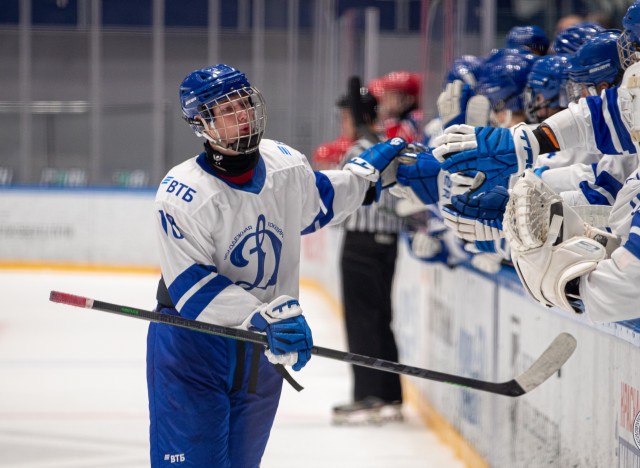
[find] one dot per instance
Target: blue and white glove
(500, 154)
(438, 248)
(478, 217)
(289, 336)
(420, 177)
(633, 243)
(452, 103)
(378, 164)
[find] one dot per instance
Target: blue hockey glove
(484, 205)
(633, 243)
(498, 153)
(421, 178)
(478, 217)
(377, 164)
(288, 334)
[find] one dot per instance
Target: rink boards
(456, 321)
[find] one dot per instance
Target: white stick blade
(551, 360)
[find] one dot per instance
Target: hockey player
(569, 40)
(502, 81)
(229, 223)
(544, 83)
(399, 105)
(530, 39)
(550, 267)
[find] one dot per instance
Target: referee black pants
(367, 265)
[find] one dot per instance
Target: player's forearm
(610, 292)
(565, 130)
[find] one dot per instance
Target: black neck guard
(231, 165)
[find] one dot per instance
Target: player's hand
(452, 103)
(421, 178)
(378, 164)
(288, 334)
(499, 154)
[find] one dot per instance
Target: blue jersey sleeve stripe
(600, 129)
(620, 129)
(608, 183)
(593, 196)
(187, 279)
(201, 299)
(327, 194)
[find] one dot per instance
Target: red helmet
(376, 87)
(402, 81)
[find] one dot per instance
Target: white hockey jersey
(592, 184)
(594, 123)
(227, 248)
(611, 292)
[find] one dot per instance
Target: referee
(367, 266)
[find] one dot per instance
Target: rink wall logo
(259, 250)
(629, 421)
(629, 406)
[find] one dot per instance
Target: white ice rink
(73, 391)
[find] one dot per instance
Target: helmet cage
(628, 49)
(234, 121)
(503, 93)
(532, 105)
(576, 89)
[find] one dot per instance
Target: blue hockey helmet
(530, 38)
(503, 81)
(544, 85)
(466, 69)
(220, 105)
(569, 40)
(594, 63)
(629, 41)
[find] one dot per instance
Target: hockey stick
(544, 367)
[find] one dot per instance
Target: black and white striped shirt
(378, 217)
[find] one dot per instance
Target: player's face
(233, 118)
(347, 126)
(544, 112)
(394, 103)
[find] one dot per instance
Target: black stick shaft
(510, 388)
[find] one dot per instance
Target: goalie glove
(288, 334)
(500, 155)
(550, 244)
(378, 165)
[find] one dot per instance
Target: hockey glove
(377, 164)
(452, 103)
(288, 334)
(421, 178)
(500, 154)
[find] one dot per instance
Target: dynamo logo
(260, 248)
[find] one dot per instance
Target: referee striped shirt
(378, 217)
